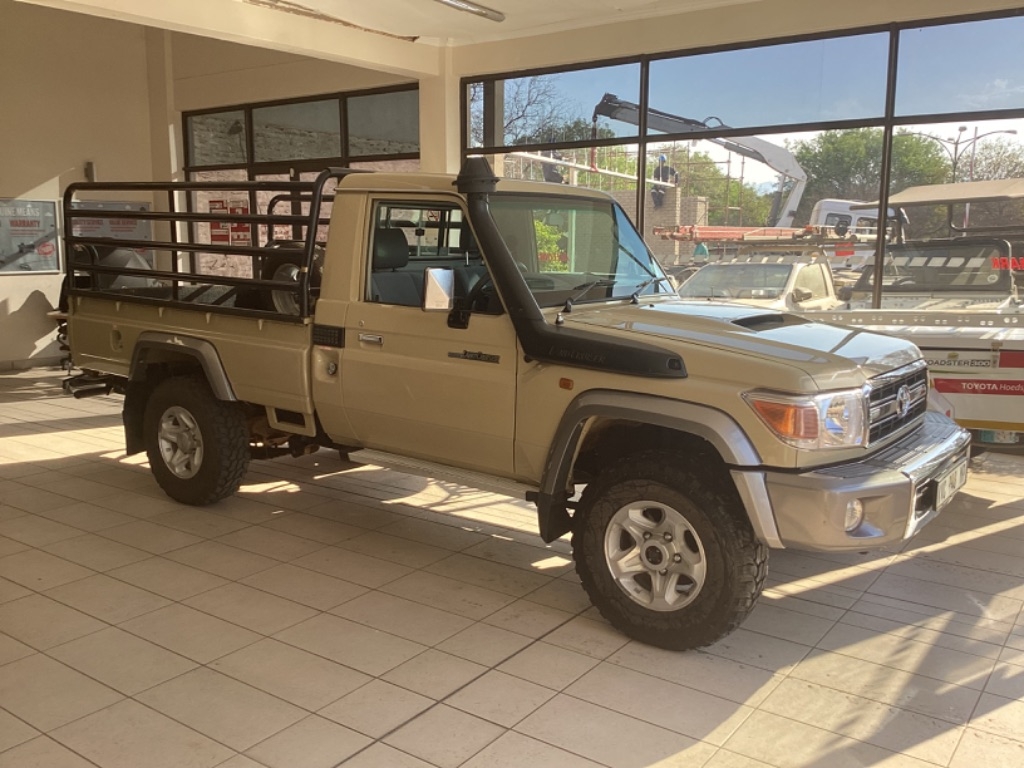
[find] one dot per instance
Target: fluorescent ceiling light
(476, 10)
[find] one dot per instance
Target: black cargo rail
(113, 266)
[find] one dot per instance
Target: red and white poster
(28, 236)
(110, 225)
(230, 232)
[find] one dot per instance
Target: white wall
(79, 88)
(74, 89)
(211, 73)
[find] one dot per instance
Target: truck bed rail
(214, 243)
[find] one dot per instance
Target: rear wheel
(198, 446)
(666, 557)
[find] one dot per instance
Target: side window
(813, 279)
(432, 232)
(407, 237)
(835, 219)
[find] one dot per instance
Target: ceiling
(434, 23)
(396, 36)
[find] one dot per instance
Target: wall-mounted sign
(233, 233)
(110, 225)
(28, 236)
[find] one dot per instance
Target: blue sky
(972, 66)
(949, 68)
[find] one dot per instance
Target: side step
(484, 482)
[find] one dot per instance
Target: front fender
(714, 426)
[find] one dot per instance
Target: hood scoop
(769, 322)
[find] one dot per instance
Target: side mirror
(801, 294)
(438, 289)
(845, 293)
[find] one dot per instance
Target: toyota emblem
(903, 402)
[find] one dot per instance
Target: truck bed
(206, 273)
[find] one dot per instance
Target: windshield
(737, 281)
(578, 250)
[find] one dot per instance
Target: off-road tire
(220, 428)
(719, 535)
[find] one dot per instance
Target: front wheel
(198, 446)
(667, 558)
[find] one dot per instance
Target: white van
(840, 213)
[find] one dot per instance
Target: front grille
(891, 411)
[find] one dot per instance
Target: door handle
(371, 338)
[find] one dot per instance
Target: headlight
(831, 420)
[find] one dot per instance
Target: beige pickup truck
(516, 337)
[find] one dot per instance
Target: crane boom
(775, 157)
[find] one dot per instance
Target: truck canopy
(991, 190)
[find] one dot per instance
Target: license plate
(950, 483)
(1000, 436)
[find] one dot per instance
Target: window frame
(889, 121)
(254, 167)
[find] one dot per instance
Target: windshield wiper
(584, 288)
(635, 298)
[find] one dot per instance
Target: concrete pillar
(165, 132)
(440, 125)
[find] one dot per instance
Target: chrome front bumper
(898, 488)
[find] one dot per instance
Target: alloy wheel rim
(655, 556)
(180, 442)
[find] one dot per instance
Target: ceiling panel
(432, 22)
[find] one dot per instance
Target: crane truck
(792, 176)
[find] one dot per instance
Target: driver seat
(390, 282)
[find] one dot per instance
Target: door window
(407, 237)
(812, 278)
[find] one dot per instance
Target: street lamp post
(956, 146)
(970, 175)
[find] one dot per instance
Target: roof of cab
(438, 182)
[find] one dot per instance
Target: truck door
(816, 281)
(413, 383)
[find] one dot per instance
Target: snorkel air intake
(541, 340)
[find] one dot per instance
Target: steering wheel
(481, 292)
(905, 281)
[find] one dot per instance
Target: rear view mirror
(801, 294)
(438, 289)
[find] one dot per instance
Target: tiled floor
(333, 615)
